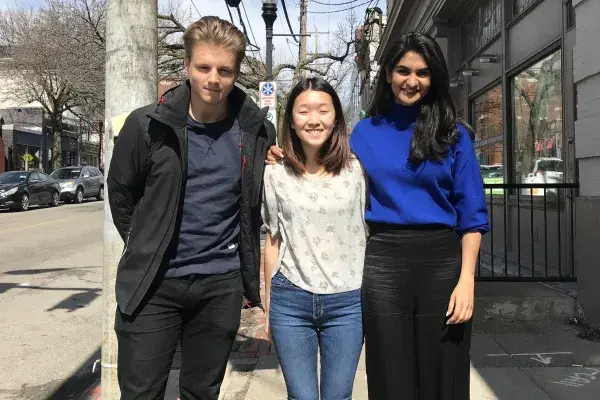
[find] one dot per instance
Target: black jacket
(146, 180)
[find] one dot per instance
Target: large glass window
(481, 26)
(538, 125)
(489, 143)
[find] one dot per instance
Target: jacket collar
(173, 106)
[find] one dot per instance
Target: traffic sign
(268, 94)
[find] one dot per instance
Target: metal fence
(531, 236)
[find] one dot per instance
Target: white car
(546, 170)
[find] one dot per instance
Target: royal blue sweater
(448, 193)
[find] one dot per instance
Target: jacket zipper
(126, 241)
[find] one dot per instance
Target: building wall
(586, 64)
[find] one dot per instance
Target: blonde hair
(218, 32)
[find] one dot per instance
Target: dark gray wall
(587, 254)
(586, 66)
(540, 27)
(488, 73)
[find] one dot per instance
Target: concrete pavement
(50, 282)
(510, 360)
(50, 300)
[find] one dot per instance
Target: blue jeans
(302, 323)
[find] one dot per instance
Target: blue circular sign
(268, 89)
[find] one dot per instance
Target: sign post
(267, 92)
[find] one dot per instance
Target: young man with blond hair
(184, 188)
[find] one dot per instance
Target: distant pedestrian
(184, 187)
(313, 208)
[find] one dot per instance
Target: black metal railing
(531, 235)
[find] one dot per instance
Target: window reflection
(487, 122)
(538, 126)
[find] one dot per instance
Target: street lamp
(269, 14)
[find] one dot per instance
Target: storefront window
(538, 125)
(489, 143)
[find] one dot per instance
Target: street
(50, 300)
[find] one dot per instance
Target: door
(97, 180)
(35, 188)
(87, 181)
(47, 188)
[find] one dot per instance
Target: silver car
(79, 183)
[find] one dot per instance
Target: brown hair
(218, 32)
(335, 154)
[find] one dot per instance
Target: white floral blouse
(321, 227)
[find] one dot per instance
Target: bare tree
(57, 59)
(253, 70)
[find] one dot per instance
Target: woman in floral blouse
(313, 208)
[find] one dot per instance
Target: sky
(285, 48)
(320, 18)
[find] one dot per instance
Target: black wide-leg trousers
(411, 353)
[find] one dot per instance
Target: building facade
(525, 75)
(23, 131)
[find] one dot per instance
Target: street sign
(267, 92)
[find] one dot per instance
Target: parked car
(21, 189)
(493, 174)
(79, 183)
(546, 170)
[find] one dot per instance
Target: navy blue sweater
(449, 192)
(209, 225)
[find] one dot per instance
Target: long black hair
(435, 129)
(335, 154)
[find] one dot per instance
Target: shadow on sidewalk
(81, 298)
(80, 381)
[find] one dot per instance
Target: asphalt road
(50, 300)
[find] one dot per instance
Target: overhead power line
(230, 14)
(287, 18)
(193, 4)
(345, 3)
(341, 10)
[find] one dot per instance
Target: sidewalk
(510, 360)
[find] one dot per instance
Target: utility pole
(269, 14)
(303, 34)
(131, 82)
(317, 33)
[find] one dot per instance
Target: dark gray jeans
(201, 311)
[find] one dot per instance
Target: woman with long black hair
(426, 214)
